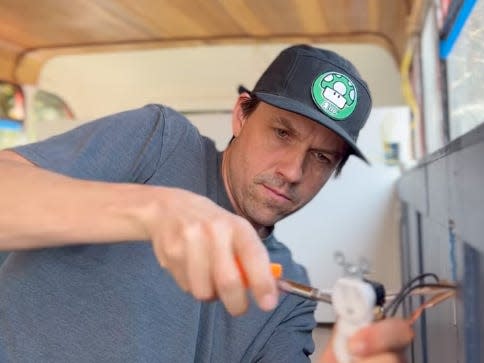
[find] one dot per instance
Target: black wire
(403, 291)
(407, 293)
(407, 286)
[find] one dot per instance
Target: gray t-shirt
(113, 302)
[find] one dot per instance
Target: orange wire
(430, 303)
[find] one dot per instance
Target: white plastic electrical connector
(354, 302)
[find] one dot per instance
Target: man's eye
(321, 157)
(282, 133)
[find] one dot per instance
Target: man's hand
(380, 342)
(199, 243)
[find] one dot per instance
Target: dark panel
(473, 312)
(412, 266)
(441, 323)
(437, 187)
(446, 189)
(466, 183)
(412, 188)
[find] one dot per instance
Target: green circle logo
(335, 94)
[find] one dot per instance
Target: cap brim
(315, 115)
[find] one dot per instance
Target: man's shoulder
(171, 118)
(149, 112)
(154, 118)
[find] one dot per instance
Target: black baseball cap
(321, 85)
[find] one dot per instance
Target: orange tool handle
(276, 271)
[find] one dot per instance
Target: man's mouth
(278, 193)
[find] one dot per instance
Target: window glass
(12, 115)
(465, 75)
(11, 102)
(49, 115)
(47, 107)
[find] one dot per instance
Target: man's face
(278, 162)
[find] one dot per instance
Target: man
(147, 175)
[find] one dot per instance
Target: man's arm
(42, 209)
(192, 237)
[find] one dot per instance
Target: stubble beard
(260, 210)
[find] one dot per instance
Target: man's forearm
(41, 208)
(192, 237)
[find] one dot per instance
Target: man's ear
(238, 118)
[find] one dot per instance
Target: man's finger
(384, 358)
(254, 260)
(229, 286)
(389, 335)
(199, 270)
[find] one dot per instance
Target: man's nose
(291, 166)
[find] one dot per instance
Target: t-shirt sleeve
(124, 147)
(292, 340)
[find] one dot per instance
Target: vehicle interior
(416, 210)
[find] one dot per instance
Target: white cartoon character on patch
(338, 90)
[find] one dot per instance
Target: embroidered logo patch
(335, 94)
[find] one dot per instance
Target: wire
(430, 303)
(436, 287)
(403, 291)
(411, 99)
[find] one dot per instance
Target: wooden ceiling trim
(392, 21)
(374, 14)
(71, 24)
(135, 16)
(28, 68)
(110, 25)
(8, 60)
(211, 18)
(313, 16)
(337, 18)
(30, 63)
(114, 22)
(279, 25)
(7, 66)
(151, 17)
(415, 20)
(408, 6)
(357, 15)
(29, 28)
(244, 16)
